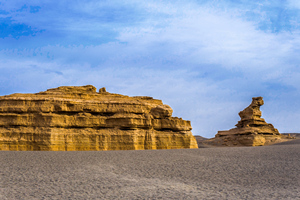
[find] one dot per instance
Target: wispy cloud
(204, 58)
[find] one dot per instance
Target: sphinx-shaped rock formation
(79, 118)
(251, 130)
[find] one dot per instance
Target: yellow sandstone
(71, 118)
(251, 130)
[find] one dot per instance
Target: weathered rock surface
(71, 118)
(251, 130)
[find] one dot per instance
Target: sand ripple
(270, 172)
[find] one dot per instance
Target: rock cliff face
(80, 118)
(251, 130)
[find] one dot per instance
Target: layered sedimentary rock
(251, 130)
(80, 118)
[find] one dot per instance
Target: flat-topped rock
(251, 130)
(74, 89)
(80, 118)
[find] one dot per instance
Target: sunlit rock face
(71, 118)
(251, 130)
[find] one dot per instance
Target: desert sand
(266, 172)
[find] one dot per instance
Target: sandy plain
(267, 172)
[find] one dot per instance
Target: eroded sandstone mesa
(251, 130)
(72, 118)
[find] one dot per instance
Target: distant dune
(297, 135)
(210, 143)
(200, 141)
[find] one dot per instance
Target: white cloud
(215, 38)
(210, 105)
(194, 100)
(294, 4)
(205, 62)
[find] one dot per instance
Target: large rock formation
(79, 118)
(251, 130)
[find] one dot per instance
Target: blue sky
(206, 59)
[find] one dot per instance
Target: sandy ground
(268, 172)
